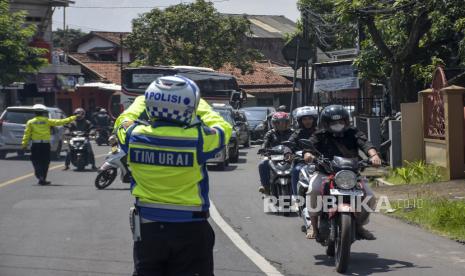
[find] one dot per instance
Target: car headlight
(345, 179)
(260, 127)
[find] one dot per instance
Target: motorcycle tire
(285, 192)
(105, 178)
(343, 242)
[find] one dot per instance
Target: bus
(214, 87)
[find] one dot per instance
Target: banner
(335, 77)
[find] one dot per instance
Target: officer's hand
(308, 157)
(127, 123)
(375, 160)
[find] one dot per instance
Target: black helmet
(334, 113)
(306, 111)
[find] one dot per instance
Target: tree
(71, 34)
(405, 40)
(17, 58)
(191, 34)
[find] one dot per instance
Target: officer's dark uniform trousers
(40, 157)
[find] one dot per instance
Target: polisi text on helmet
(159, 96)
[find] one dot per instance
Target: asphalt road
(70, 228)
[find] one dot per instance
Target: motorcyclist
(337, 138)
(81, 124)
(281, 108)
(102, 119)
(281, 132)
(307, 119)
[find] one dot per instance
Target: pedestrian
(167, 157)
(38, 132)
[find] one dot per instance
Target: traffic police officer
(167, 158)
(38, 132)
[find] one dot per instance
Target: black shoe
(43, 182)
(94, 168)
(66, 168)
(263, 190)
(364, 234)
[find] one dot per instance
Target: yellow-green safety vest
(38, 128)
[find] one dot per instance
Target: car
(13, 123)
(256, 117)
(231, 152)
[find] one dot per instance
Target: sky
(111, 18)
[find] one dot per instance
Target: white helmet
(173, 98)
(39, 107)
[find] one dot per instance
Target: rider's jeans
(314, 191)
(295, 176)
(264, 171)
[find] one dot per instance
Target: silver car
(13, 123)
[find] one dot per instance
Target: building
(58, 75)
(101, 56)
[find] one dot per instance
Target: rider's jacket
(38, 128)
(168, 163)
(346, 145)
(81, 125)
(275, 138)
(301, 133)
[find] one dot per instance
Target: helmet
(332, 114)
(306, 111)
(281, 108)
(172, 98)
(102, 111)
(281, 121)
(39, 108)
(80, 113)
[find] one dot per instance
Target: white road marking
(256, 258)
(26, 176)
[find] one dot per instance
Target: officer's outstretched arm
(217, 131)
(134, 111)
(27, 135)
(60, 122)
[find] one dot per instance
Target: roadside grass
(439, 215)
(416, 173)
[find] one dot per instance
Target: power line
(135, 7)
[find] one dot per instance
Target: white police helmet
(172, 98)
(39, 107)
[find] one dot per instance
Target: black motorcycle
(102, 135)
(344, 184)
(79, 149)
(280, 160)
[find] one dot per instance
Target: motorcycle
(102, 135)
(78, 147)
(280, 160)
(116, 159)
(337, 226)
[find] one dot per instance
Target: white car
(13, 123)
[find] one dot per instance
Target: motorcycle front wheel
(343, 242)
(105, 178)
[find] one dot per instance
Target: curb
(381, 182)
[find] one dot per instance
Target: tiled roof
(105, 70)
(270, 90)
(113, 37)
(262, 76)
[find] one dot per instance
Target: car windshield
(226, 115)
(255, 115)
(18, 116)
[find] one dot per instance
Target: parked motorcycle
(337, 226)
(78, 147)
(281, 168)
(101, 135)
(115, 160)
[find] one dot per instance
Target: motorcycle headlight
(346, 179)
(287, 172)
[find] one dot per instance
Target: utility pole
(304, 83)
(121, 57)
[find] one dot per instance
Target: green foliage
(440, 215)
(191, 34)
(17, 58)
(405, 39)
(416, 173)
(72, 35)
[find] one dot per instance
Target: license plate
(339, 192)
